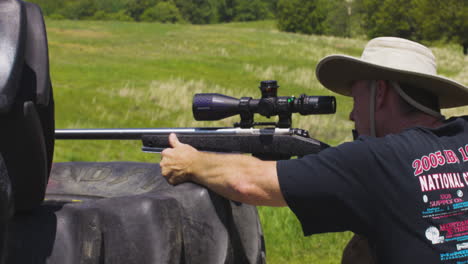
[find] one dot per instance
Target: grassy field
(115, 74)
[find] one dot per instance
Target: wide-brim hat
(394, 59)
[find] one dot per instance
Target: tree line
(165, 11)
(420, 20)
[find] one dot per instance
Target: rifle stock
(266, 143)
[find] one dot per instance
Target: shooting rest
(26, 102)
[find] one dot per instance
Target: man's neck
(418, 120)
(397, 125)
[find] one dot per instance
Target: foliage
(448, 20)
(271, 5)
(49, 7)
(251, 10)
(111, 6)
(226, 10)
(165, 12)
(365, 10)
(246, 10)
(135, 8)
(420, 20)
(393, 18)
(338, 18)
(303, 16)
(117, 16)
(328, 17)
(193, 11)
(81, 9)
(199, 11)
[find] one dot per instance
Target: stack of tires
(26, 111)
(120, 212)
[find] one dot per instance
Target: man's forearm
(239, 177)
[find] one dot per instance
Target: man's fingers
(171, 180)
(164, 152)
(175, 160)
(164, 172)
(173, 140)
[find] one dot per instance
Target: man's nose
(351, 115)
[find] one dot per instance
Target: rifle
(274, 141)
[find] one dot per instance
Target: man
(402, 183)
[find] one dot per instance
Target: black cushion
(27, 120)
(12, 49)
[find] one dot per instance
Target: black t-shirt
(408, 192)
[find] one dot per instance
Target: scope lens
(213, 106)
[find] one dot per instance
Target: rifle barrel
(137, 133)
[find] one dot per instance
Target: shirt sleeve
(328, 191)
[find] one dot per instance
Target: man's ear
(382, 94)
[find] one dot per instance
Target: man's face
(360, 92)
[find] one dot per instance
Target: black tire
(6, 207)
(127, 213)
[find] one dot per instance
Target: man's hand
(237, 177)
(177, 162)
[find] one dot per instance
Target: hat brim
(337, 72)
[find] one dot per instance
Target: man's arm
(237, 177)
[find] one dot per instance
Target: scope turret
(213, 106)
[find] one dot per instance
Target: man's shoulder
(451, 126)
(416, 139)
(410, 142)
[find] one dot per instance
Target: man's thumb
(173, 140)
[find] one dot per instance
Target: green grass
(116, 74)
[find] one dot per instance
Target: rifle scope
(213, 106)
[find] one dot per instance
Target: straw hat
(394, 59)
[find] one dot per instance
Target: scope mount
(247, 121)
(269, 89)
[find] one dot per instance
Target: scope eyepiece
(315, 105)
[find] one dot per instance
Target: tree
(394, 18)
(386, 17)
(338, 18)
(117, 16)
(81, 9)
(365, 11)
(226, 10)
(271, 5)
(199, 11)
(111, 6)
(303, 16)
(165, 12)
(135, 8)
(251, 10)
(49, 7)
(448, 20)
(246, 10)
